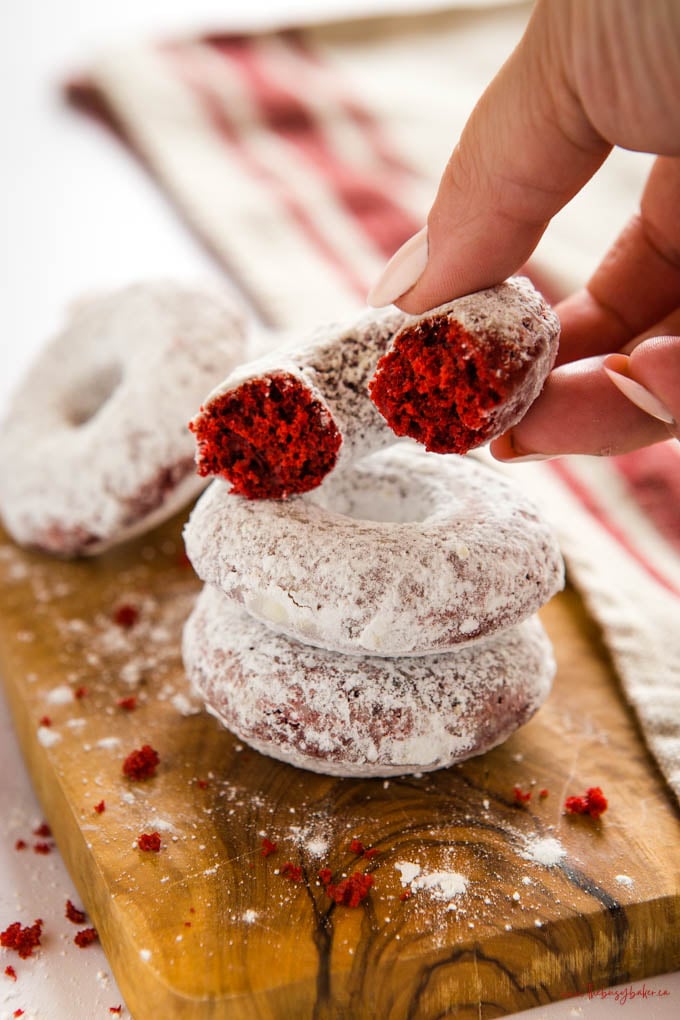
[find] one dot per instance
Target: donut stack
(369, 606)
(382, 624)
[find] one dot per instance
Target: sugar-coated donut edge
(277, 695)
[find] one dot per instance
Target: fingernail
(616, 368)
(525, 458)
(504, 451)
(401, 272)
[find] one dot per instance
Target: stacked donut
(382, 620)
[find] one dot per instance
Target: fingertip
(401, 272)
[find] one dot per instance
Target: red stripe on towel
(589, 500)
(362, 195)
(191, 74)
(652, 477)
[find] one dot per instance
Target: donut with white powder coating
(362, 715)
(462, 374)
(279, 425)
(404, 553)
(452, 379)
(95, 446)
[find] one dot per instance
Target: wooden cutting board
(210, 928)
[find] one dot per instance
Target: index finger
(526, 150)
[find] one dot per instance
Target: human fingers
(602, 406)
(527, 148)
(638, 282)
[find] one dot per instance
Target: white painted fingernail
(401, 272)
(525, 458)
(640, 396)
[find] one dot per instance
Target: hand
(586, 76)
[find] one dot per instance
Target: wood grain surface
(210, 928)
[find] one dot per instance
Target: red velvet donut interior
(269, 437)
(439, 385)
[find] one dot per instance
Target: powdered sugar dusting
(132, 465)
(442, 885)
(60, 695)
(405, 590)
(361, 715)
(48, 736)
(545, 850)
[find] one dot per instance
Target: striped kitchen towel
(303, 158)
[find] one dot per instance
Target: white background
(78, 213)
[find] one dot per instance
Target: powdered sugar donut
(361, 715)
(95, 446)
(466, 372)
(404, 553)
(279, 425)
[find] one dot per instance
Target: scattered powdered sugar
(162, 824)
(442, 885)
(109, 743)
(313, 837)
(184, 705)
(249, 916)
(624, 880)
(48, 736)
(60, 695)
(408, 870)
(145, 954)
(545, 850)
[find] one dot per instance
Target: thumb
(527, 148)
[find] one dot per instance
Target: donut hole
(380, 498)
(91, 393)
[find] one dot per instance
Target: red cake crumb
(268, 847)
(150, 841)
(521, 796)
(80, 693)
(42, 848)
(22, 939)
(593, 803)
(351, 891)
(325, 876)
(439, 385)
(269, 437)
(202, 784)
(85, 937)
(406, 895)
(20, 844)
(141, 764)
(116, 1009)
(45, 720)
(128, 704)
(100, 807)
(17, 1013)
(126, 615)
(73, 913)
(43, 830)
(543, 794)
(10, 972)
(291, 871)
(357, 847)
